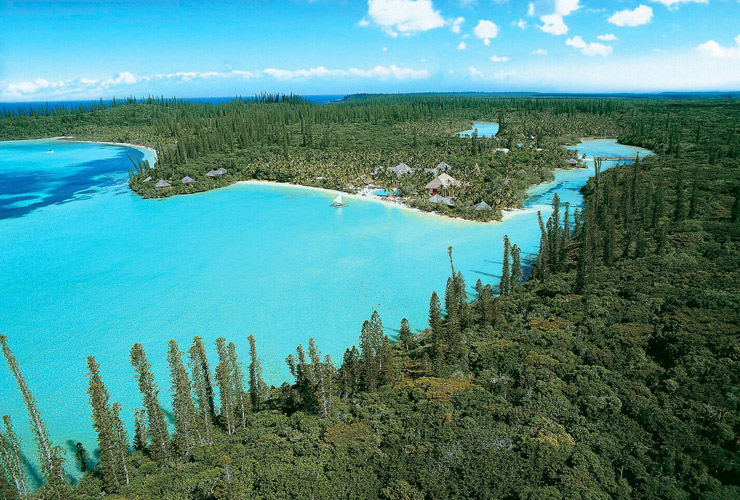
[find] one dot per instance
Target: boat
(338, 202)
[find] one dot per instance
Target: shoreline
(144, 149)
(367, 194)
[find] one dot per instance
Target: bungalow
(187, 181)
(482, 206)
(441, 167)
(571, 161)
(401, 169)
(442, 181)
(441, 200)
(215, 173)
(162, 184)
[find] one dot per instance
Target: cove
(88, 268)
(485, 129)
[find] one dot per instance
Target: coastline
(148, 152)
(368, 195)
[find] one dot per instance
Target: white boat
(338, 202)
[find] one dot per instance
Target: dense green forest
(345, 145)
(610, 369)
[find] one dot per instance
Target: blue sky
(78, 50)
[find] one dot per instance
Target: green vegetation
(612, 371)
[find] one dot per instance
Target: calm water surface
(88, 268)
(485, 129)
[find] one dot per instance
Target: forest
(346, 146)
(609, 368)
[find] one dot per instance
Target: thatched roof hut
(441, 167)
(441, 200)
(147, 179)
(187, 180)
(221, 171)
(211, 173)
(571, 161)
(482, 206)
(443, 180)
(162, 184)
(401, 169)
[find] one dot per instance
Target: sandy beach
(368, 194)
(151, 152)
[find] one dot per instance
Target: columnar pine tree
(257, 386)
(517, 275)
(225, 384)
(351, 372)
(141, 435)
(368, 370)
(505, 284)
(735, 212)
(50, 456)
(11, 461)
(241, 402)
(121, 439)
(186, 429)
(202, 388)
(404, 334)
(155, 416)
(565, 236)
(112, 463)
(435, 318)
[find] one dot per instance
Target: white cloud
(637, 17)
(539, 52)
(555, 23)
(521, 24)
(715, 50)
(461, 46)
(385, 49)
(456, 24)
(392, 71)
(499, 59)
(30, 87)
(92, 88)
(364, 22)
(404, 16)
(530, 10)
(677, 70)
(124, 77)
(673, 4)
(589, 49)
(498, 75)
(607, 38)
(475, 73)
(485, 30)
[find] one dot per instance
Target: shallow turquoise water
(485, 129)
(92, 270)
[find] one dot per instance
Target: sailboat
(338, 202)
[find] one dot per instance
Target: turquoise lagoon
(485, 129)
(88, 268)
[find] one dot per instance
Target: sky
(87, 50)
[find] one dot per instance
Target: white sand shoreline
(367, 194)
(144, 149)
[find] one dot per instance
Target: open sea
(89, 268)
